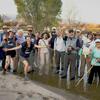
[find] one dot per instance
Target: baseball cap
(97, 41)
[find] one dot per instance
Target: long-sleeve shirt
(59, 44)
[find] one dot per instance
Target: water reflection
(68, 78)
(85, 78)
(53, 80)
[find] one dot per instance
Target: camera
(69, 50)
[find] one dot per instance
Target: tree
(1, 21)
(72, 18)
(39, 13)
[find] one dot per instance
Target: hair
(27, 36)
(90, 33)
(71, 31)
(44, 34)
(21, 30)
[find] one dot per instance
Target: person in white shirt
(59, 47)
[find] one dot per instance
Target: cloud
(87, 10)
(8, 7)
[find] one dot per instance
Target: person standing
(85, 53)
(30, 32)
(70, 55)
(3, 44)
(95, 62)
(10, 55)
(20, 39)
(37, 57)
(44, 54)
(51, 43)
(79, 44)
(59, 50)
(5, 29)
(32, 55)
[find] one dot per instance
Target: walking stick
(60, 70)
(68, 77)
(97, 81)
(79, 67)
(83, 77)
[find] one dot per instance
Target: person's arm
(39, 46)
(50, 36)
(15, 48)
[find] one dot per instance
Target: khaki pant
(44, 63)
(83, 64)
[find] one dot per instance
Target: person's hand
(43, 46)
(69, 48)
(98, 60)
(88, 59)
(5, 49)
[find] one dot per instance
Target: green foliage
(39, 13)
(1, 21)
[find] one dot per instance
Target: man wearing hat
(51, 43)
(2, 53)
(30, 32)
(70, 55)
(5, 28)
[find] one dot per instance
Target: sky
(85, 10)
(8, 7)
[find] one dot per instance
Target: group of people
(54, 49)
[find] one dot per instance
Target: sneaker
(26, 78)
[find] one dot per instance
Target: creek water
(90, 92)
